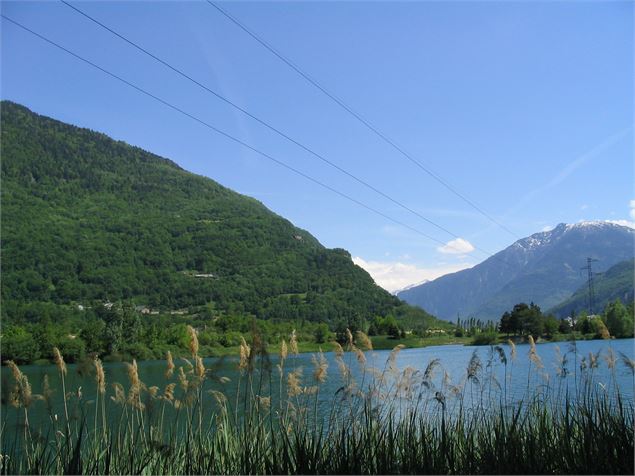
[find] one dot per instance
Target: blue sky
(524, 107)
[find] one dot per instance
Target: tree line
(615, 321)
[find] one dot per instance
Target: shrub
(19, 345)
(485, 338)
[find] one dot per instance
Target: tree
(113, 332)
(505, 325)
(391, 327)
(551, 325)
(45, 335)
(617, 320)
(533, 321)
(516, 317)
(72, 347)
(92, 333)
(525, 319)
(321, 333)
(18, 345)
(564, 327)
(584, 325)
(179, 336)
(341, 335)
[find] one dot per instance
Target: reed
(379, 421)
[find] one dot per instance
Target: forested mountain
(543, 268)
(618, 282)
(87, 219)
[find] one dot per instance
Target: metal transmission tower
(590, 275)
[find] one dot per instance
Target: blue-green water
(515, 381)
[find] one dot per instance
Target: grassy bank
(381, 420)
(411, 341)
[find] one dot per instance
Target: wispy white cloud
(459, 246)
(631, 205)
(547, 228)
(584, 158)
(395, 275)
(563, 174)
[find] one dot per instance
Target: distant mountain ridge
(618, 282)
(543, 268)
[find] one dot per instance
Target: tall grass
(379, 421)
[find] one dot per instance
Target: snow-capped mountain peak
(543, 268)
(410, 286)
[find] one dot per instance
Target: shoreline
(379, 343)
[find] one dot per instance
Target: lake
(516, 380)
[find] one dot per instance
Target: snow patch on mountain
(589, 224)
(410, 286)
(544, 238)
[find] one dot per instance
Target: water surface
(516, 380)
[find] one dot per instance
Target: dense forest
(100, 238)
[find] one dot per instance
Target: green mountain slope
(89, 219)
(618, 282)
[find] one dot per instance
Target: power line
(239, 141)
(267, 125)
(357, 116)
(219, 131)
